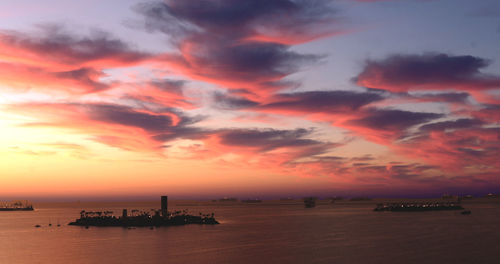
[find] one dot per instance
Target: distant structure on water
(309, 202)
(164, 206)
(360, 199)
(16, 206)
(335, 198)
(139, 218)
(448, 196)
(251, 201)
(418, 207)
(226, 199)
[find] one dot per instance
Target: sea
(267, 232)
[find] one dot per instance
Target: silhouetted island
(17, 206)
(138, 219)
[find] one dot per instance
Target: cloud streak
(53, 59)
(430, 71)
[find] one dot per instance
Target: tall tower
(164, 206)
(124, 213)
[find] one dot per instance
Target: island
(144, 219)
(16, 206)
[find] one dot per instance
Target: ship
(310, 202)
(360, 199)
(251, 201)
(17, 206)
(417, 207)
(228, 199)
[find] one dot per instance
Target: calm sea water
(257, 233)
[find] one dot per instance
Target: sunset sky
(257, 98)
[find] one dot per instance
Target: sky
(252, 99)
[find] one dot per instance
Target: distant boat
(37, 226)
(226, 199)
(251, 201)
(16, 206)
(335, 198)
(359, 199)
(448, 196)
(310, 202)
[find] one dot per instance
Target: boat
(417, 207)
(360, 199)
(309, 202)
(491, 195)
(16, 206)
(335, 198)
(448, 196)
(251, 201)
(228, 199)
